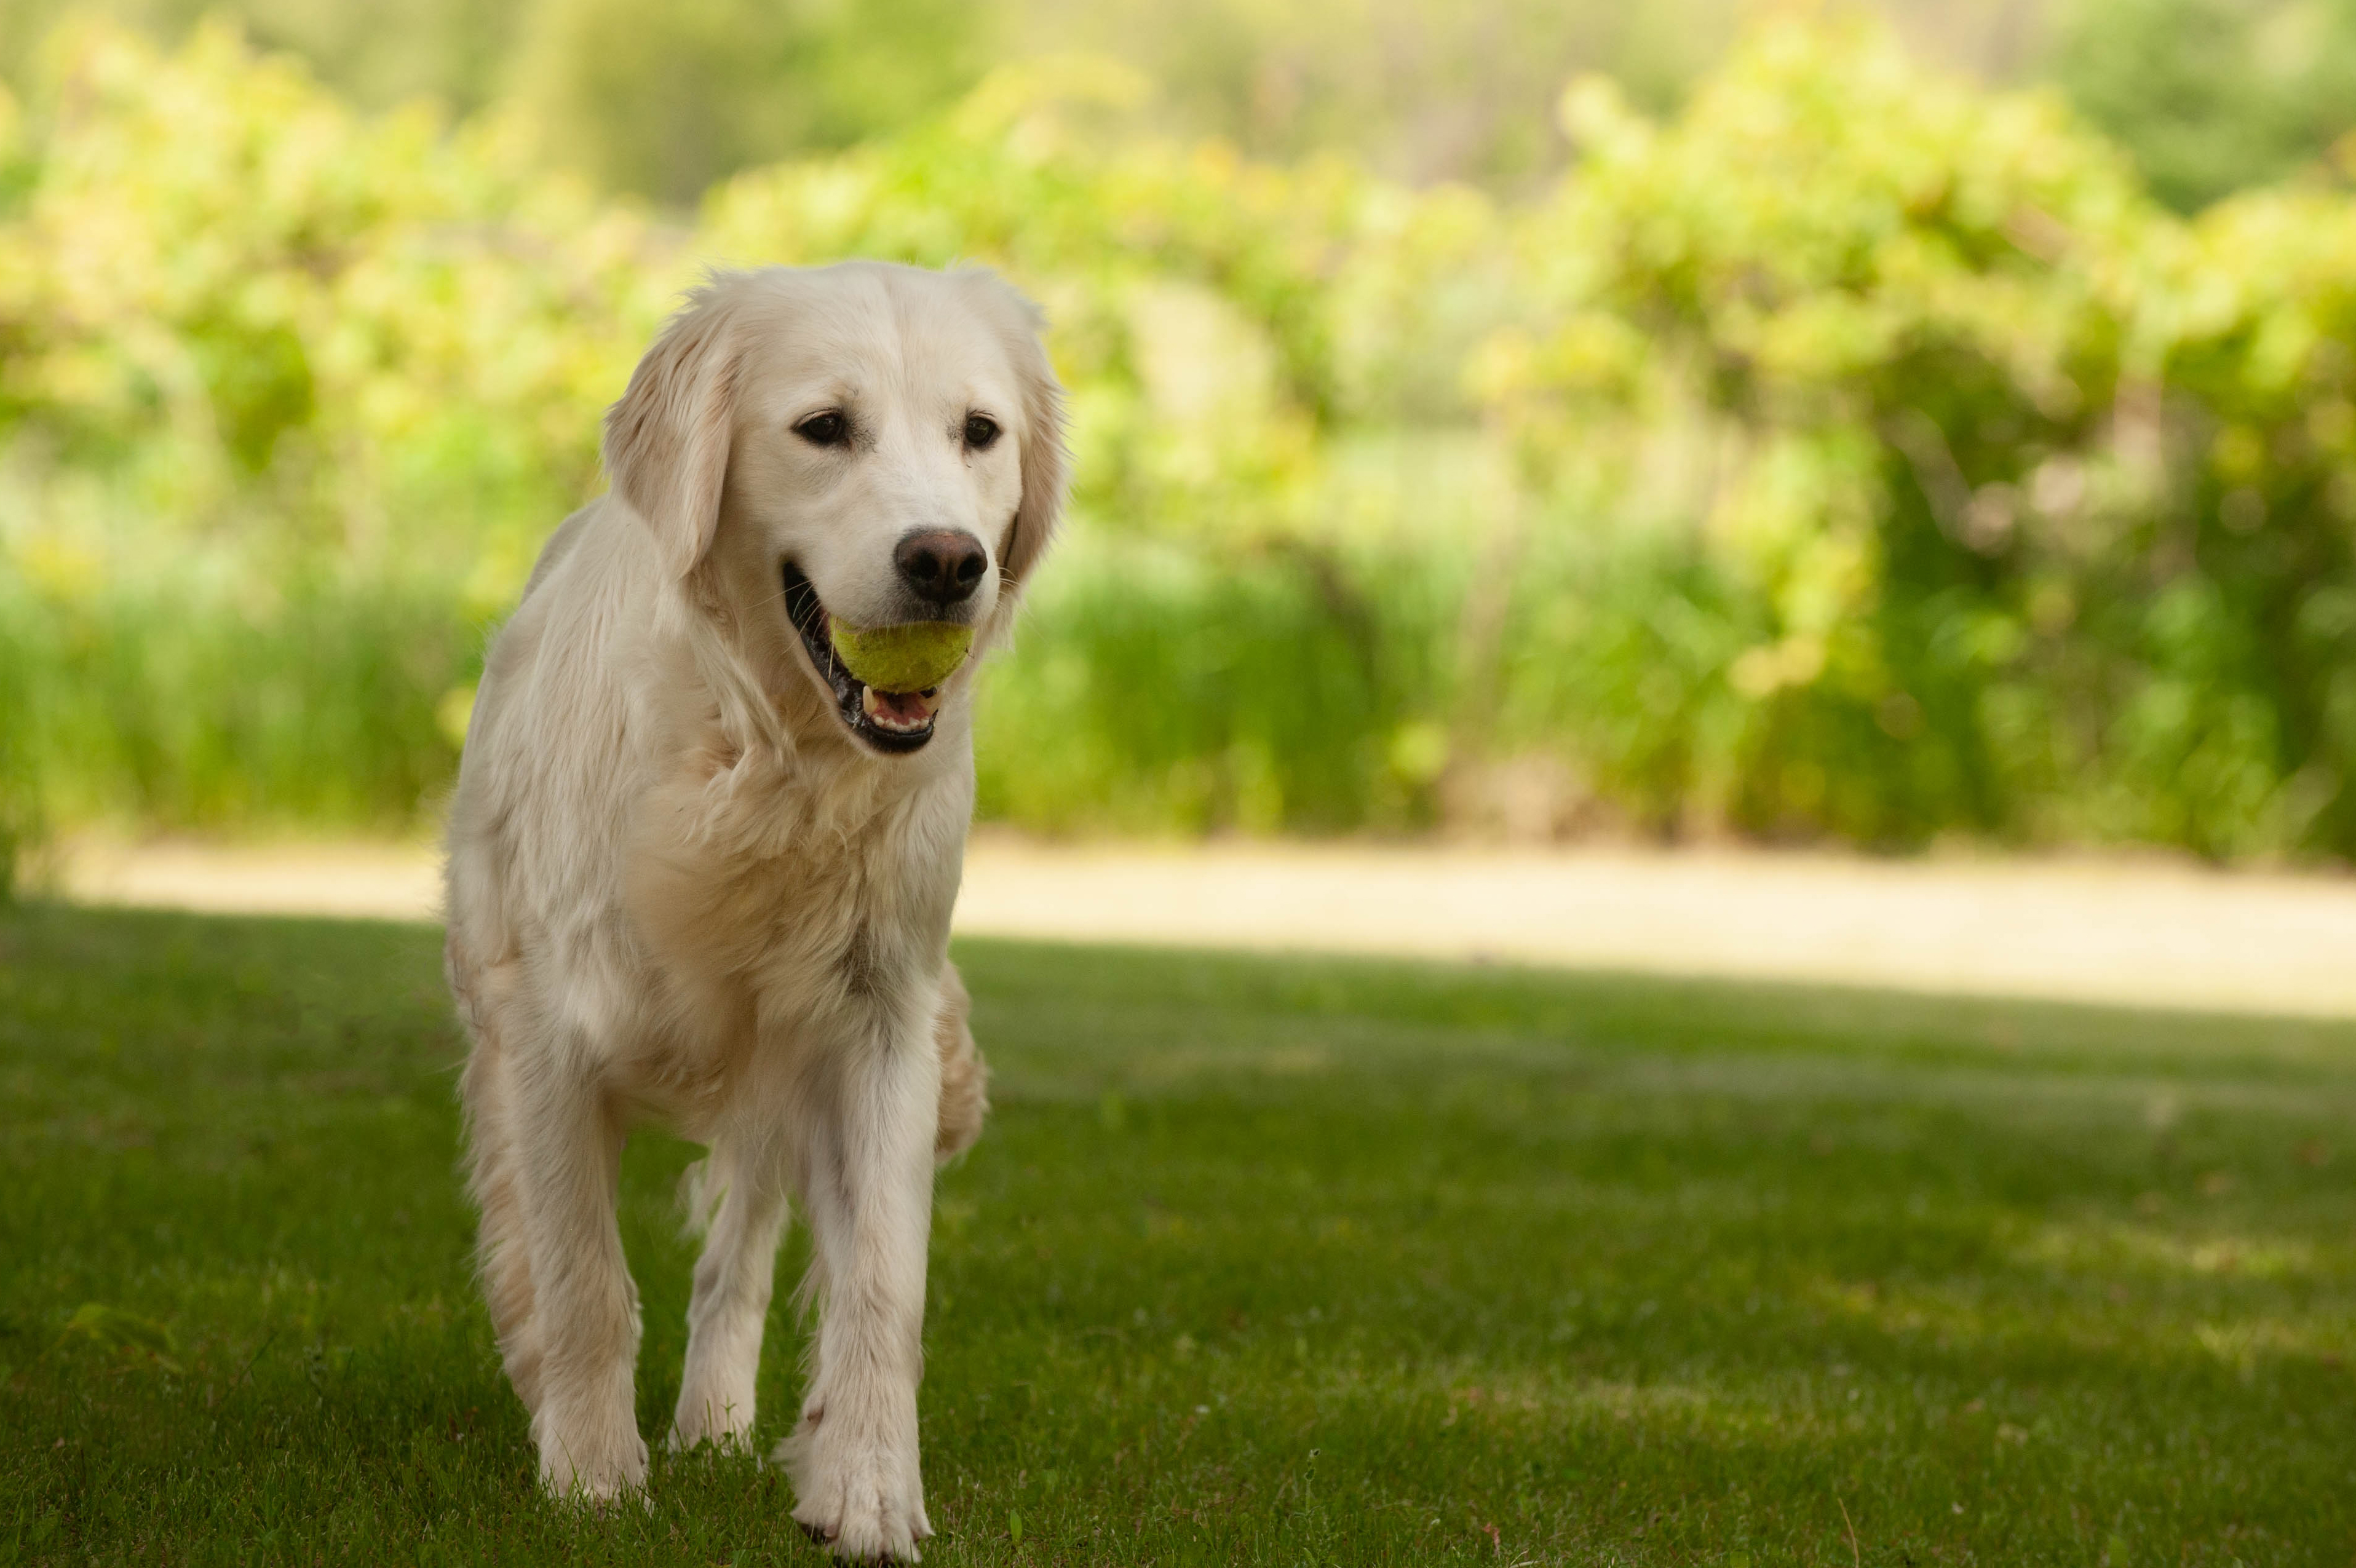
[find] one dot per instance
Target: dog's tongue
(899, 709)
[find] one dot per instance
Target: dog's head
(869, 445)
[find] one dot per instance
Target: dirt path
(2154, 933)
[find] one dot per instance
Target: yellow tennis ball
(914, 657)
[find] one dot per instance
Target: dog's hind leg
(564, 1155)
(738, 1197)
(502, 1260)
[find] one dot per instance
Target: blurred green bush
(1859, 455)
(2039, 500)
(2211, 96)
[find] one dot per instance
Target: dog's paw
(862, 1499)
(724, 1422)
(679, 1440)
(581, 1464)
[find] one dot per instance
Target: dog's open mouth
(894, 722)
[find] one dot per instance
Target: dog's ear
(1045, 472)
(667, 440)
(1046, 466)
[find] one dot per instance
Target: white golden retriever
(700, 873)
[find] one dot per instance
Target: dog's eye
(980, 429)
(829, 429)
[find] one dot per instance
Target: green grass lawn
(1261, 1260)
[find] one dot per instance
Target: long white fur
(680, 890)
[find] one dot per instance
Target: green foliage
(663, 100)
(1420, 90)
(2212, 96)
(1859, 453)
(1260, 1261)
(239, 318)
(152, 708)
(289, 396)
(2040, 502)
(454, 52)
(1156, 689)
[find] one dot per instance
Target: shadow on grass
(1261, 1260)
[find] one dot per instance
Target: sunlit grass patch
(2113, 1247)
(1261, 1260)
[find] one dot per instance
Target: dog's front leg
(568, 1145)
(867, 1176)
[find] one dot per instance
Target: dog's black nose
(942, 565)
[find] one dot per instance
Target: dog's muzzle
(893, 722)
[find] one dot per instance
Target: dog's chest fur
(801, 909)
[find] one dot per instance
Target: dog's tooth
(867, 701)
(930, 701)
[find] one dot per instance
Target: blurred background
(1512, 420)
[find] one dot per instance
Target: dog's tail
(965, 1076)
